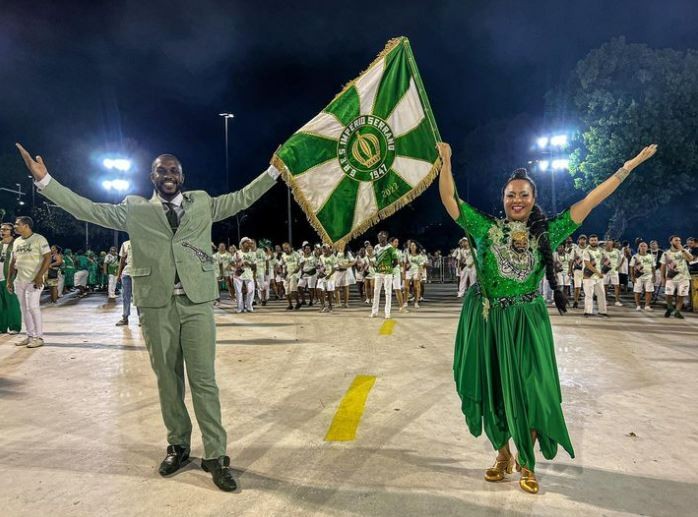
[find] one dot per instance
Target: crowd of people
(591, 269)
(320, 276)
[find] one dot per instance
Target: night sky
(151, 77)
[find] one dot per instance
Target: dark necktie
(171, 215)
(173, 220)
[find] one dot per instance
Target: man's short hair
(24, 219)
(582, 236)
(166, 157)
(593, 235)
(7, 226)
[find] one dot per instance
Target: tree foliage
(625, 96)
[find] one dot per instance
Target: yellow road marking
(387, 327)
(346, 419)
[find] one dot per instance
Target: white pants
(81, 278)
(262, 288)
(465, 275)
(384, 280)
(246, 303)
(594, 286)
(29, 298)
(112, 286)
(61, 285)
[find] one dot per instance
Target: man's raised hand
(36, 167)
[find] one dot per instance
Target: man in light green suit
(174, 285)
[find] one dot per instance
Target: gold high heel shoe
(528, 481)
(501, 467)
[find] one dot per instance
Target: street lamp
(226, 117)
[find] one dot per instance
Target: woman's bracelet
(621, 174)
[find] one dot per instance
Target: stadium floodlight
(558, 141)
(560, 164)
(543, 165)
(116, 185)
(543, 142)
(120, 164)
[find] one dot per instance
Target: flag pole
(420, 88)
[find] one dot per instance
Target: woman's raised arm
(580, 210)
(447, 186)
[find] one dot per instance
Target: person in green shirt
(504, 359)
(386, 260)
(82, 273)
(68, 269)
(10, 312)
(399, 274)
(91, 269)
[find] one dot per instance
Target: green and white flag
(368, 153)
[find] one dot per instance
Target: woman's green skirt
(506, 376)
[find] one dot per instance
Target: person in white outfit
(642, 272)
(465, 266)
(674, 265)
(111, 268)
(577, 267)
(31, 256)
(244, 263)
(593, 278)
(613, 259)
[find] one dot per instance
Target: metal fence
(442, 270)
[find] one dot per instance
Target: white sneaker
(36, 343)
(24, 342)
(373, 315)
(387, 316)
(416, 305)
(638, 308)
(618, 304)
(648, 308)
(403, 309)
(13, 332)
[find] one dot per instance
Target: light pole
(226, 117)
(18, 192)
(117, 186)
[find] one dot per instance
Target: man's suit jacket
(156, 251)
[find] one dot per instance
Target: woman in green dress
(504, 362)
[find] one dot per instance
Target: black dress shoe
(221, 472)
(176, 458)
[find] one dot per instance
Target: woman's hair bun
(519, 174)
